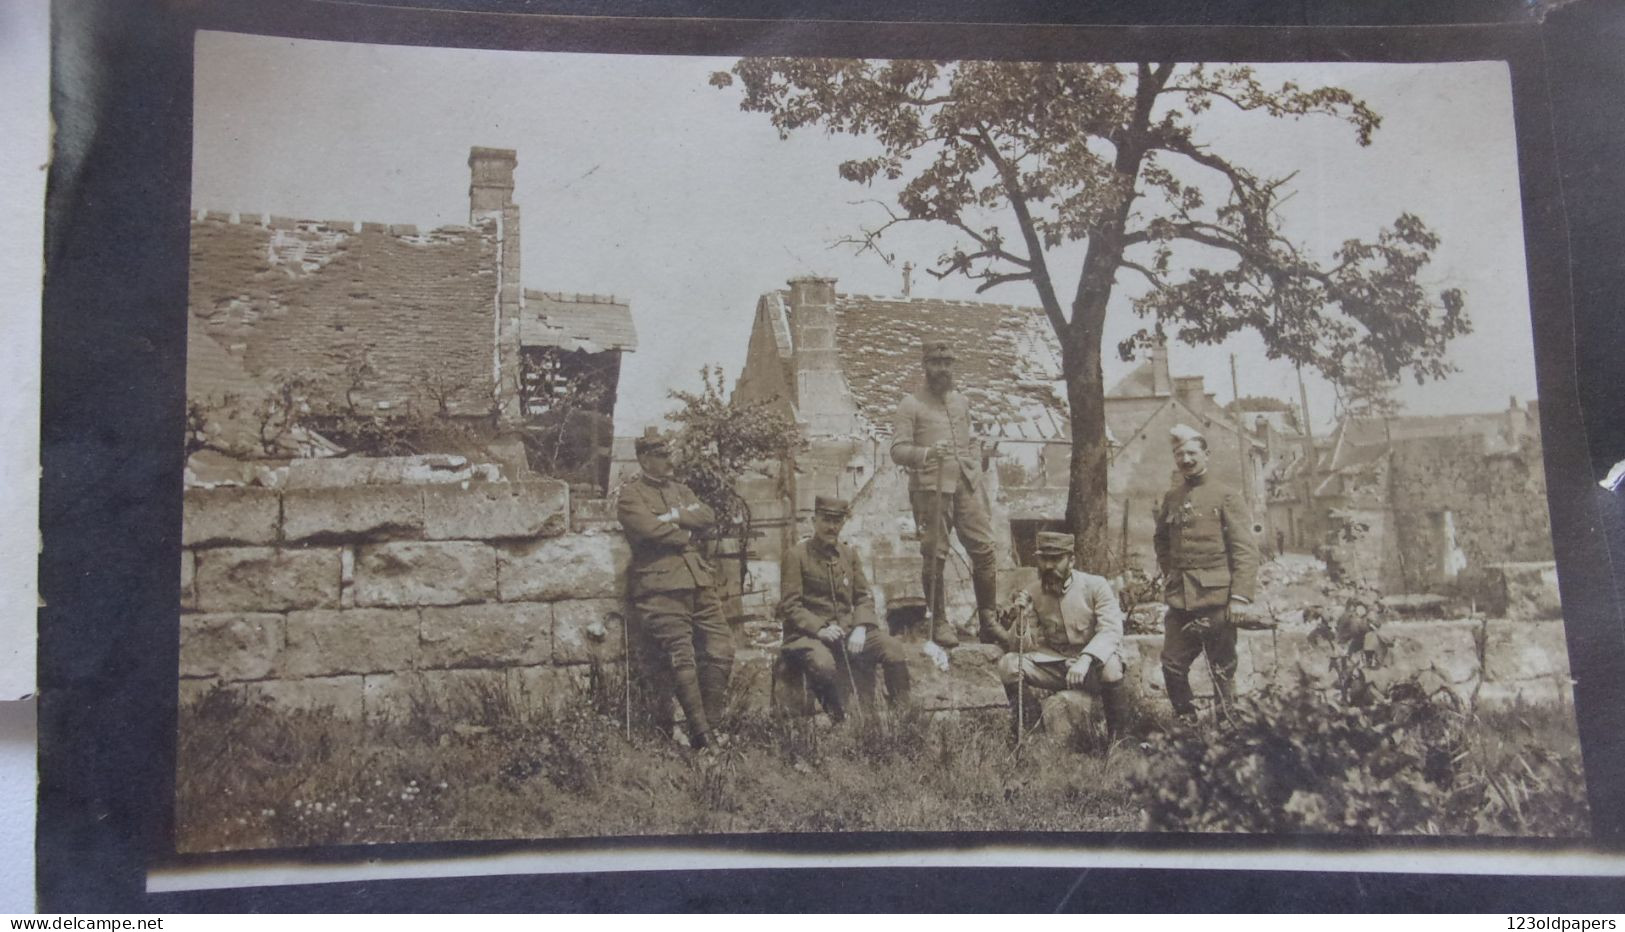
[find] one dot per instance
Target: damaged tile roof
(285, 295)
(1008, 365)
(589, 322)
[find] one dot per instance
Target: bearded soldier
(828, 613)
(1064, 633)
(932, 439)
(671, 587)
(1205, 548)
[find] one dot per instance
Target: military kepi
(650, 442)
(1054, 543)
(830, 505)
(1181, 434)
(938, 349)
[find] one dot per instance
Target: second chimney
(490, 180)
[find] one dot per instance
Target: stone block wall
(375, 600)
(1497, 503)
(372, 598)
(1491, 662)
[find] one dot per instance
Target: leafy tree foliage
(717, 441)
(1366, 389)
(1021, 159)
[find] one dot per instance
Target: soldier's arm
(1108, 621)
(694, 515)
(792, 607)
(643, 525)
(1240, 546)
(1159, 538)
(863, 599)
(904, 451)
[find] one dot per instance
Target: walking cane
(1021, 680)
(939, 559)
(846, 657)
(626, 685)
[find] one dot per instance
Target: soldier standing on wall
(1205, 548)
(932, 439)
(828, 613)
(672, 593)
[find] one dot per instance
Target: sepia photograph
(623, 445)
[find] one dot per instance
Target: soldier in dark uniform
(932, 439)
(672, 591)
(828, 613)
(1064, 632)
(1205, 548)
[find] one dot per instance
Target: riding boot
(989, 631)
(686, 684)
(1114, 703)
(942, 630)
(898, 684)
(834, 705)
(713, 678)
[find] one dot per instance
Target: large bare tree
(1022, 159)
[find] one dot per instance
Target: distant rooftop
(589, 322)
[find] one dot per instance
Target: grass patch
(479, 765)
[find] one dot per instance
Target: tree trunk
(1086, 511)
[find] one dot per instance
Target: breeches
(1051, 674)
(690, 652)
(1186, 634)
(688, 627)
(964, 512)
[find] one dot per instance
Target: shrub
(1362, 759)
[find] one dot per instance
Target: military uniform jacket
(664, 556)
(1086, 618)
(818, 586)
(1205, 547)
(923, 421)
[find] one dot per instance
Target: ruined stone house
(1419, 503)
(837, 364)
(397, 319)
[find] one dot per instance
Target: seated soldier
(828, 613)
(1063, 634)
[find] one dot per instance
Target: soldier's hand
(1079, 670)
(668, 517)
(858, 638)
(941, 451)
(831, 634)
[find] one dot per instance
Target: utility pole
(1245, 439)
(1309, 453)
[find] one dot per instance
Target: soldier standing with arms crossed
(932, 439)
(672, 592)
(1205, 549)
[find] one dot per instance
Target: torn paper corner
(1615, 477)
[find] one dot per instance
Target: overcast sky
(638, 179)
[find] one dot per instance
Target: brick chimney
(490, 181)
(1161, 384)
(1191, 392)
(822, 396)
(490, 197)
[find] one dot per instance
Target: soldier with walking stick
(828, 613)
(1064, 632)
(932, 439)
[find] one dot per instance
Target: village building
(389, 320)
(838, 363)
(1413, 504)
